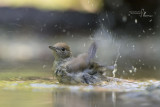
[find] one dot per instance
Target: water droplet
(123, 72)
(115, 70)
(153, 33)
(134, 68)
(55, 25)
(135, 21)
(130, 71)
(150, 29)
(150, 20)
(144, 31)
(124, 18)
(101, 32)
(44, 66)
(64, 30)
(154, 68)
(133, 46)
(139, 36)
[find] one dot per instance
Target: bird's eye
(63, 49)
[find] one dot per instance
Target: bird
(73, 70)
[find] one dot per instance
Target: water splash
(115, 63)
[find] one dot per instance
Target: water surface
(44, 91)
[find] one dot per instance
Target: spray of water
(115, 62)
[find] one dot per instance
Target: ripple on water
(122, 86)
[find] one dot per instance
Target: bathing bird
(73, 70)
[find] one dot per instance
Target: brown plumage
(62, 45)
(68, 69)
(78, 64)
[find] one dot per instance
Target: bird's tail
(92, 51)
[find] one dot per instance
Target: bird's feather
(92, 51)
(82, 61)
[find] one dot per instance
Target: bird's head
(61, 51)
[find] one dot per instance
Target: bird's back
(82, 61)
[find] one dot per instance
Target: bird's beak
(52, 48)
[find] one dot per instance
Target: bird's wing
(91, 52)
(77, 64)
(82, 61)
